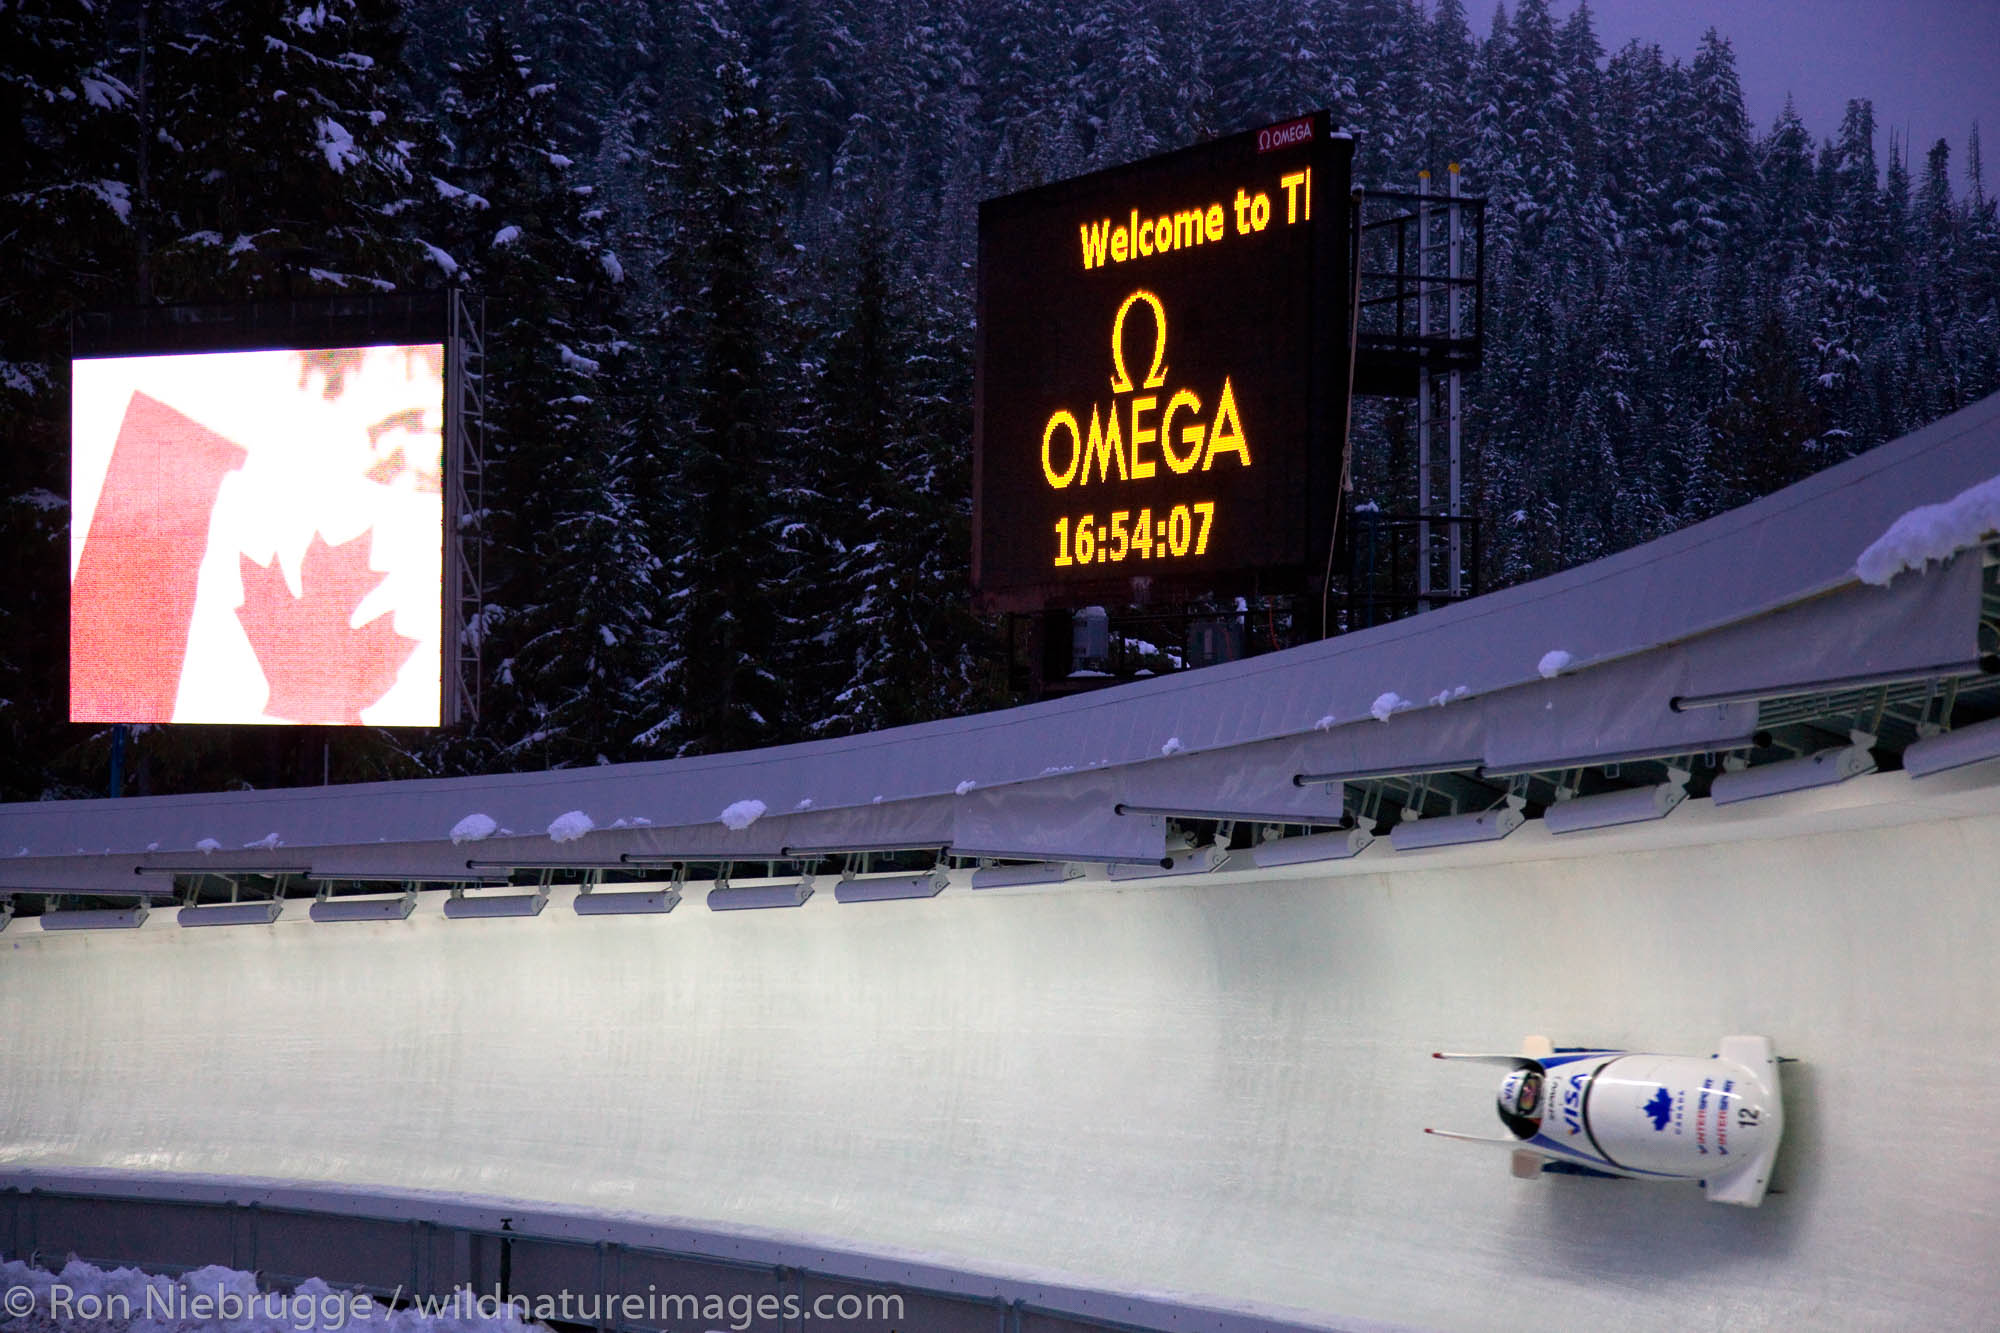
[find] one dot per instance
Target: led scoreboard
(1162, 372)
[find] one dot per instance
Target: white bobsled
(1716, 1119)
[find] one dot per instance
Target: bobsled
(1716, 1119)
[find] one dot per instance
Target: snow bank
(222, 1300)
(743, 814)
(473, 828)
(1387, 703)
(570, 827)
(1554, 662)
(83, 1288)
(1932, 532)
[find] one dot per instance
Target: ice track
(1213, 1086)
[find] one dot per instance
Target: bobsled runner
(1716, 1119)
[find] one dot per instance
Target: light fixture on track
(232, 914)
(725, 897)
(96, 918)
(1034, 872)
(886, 888)
(327, 908)
(592, 900)
(1823, 769)
(458, 907)
(1612, 808)
(1190, 861)
(1337, 845)
(1953, 749)
(1488, 825)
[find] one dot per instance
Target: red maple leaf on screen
(320, 669)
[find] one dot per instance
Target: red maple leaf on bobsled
(320, 669)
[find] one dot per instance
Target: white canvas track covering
(1753, 600)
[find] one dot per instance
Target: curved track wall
(1212, 1086)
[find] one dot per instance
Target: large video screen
(1161, 370)
(258, 537)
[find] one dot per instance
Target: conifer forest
(727, 249)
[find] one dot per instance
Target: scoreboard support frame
(465, 506)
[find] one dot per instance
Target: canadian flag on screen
(137, 580)
(132, 598)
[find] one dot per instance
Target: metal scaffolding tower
(1421, 274)
(1441, 237)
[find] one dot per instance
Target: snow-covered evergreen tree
(284, 156)
(896, 643)
(1442, 117)
(1712, 207)
(726, 366)
(571, 581)
(68, 242)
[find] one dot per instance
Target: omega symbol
(1121, 381)
(1118, 438)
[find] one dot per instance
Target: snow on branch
(575, 361)
(441, 258)
(337, 144)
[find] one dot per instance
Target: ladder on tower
(1440, 253)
